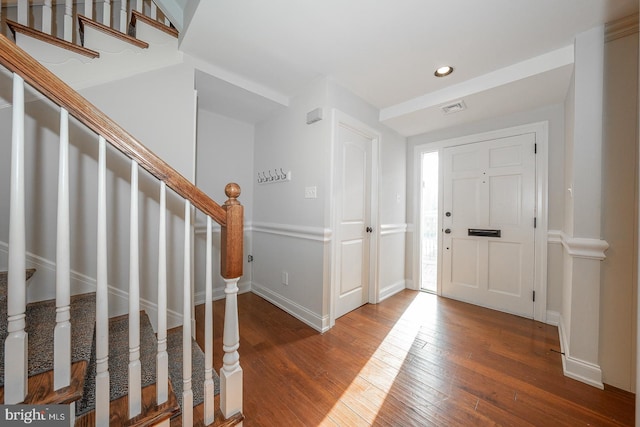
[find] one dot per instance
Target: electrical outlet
(311, 192)
(285, 278)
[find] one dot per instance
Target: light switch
(310, 192)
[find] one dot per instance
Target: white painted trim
(218, 293)
(387, 229)
(581, 247)
(391, 290)
(541, 130)
(553, 318)
(575, 368)
(318, 234)
(554, 237)
(338, 118)
(521, 70)
(314, 320)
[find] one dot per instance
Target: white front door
(489, 206)
(353, 166)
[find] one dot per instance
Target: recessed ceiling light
(443, 71)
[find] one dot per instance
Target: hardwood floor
(413, 360)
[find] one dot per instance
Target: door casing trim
(339, 118)
(541, 130)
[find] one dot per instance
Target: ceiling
(508, 55)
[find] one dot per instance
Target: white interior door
(489, 207)
(354, 164)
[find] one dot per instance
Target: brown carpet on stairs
(174, 348)
(119, 362)
(41, 321)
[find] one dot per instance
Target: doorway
(491, 229)
(354, 215)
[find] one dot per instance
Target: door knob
(447, 214)
(369, 229)
(448, 231)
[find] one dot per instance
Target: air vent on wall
(454, 107)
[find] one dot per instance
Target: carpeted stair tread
(40, 324)
(174, 349)
(119, 361)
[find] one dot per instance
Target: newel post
(232, 235)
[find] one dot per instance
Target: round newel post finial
(232, 190)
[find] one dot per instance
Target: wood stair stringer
(17, 28)
(41, 390)
(152, 413)
(86, 23)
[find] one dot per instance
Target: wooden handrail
(44, 81)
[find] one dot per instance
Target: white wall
(224, 154)
(289, 230)
(292, 234)
(161, 119)
(619, 216)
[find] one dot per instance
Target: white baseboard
(580, 370)
(391, 290)
(317, 322)
(553, 318)
(218, 293)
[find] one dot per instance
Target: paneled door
(489, 202)
(354, 218)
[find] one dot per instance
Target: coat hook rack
(271, 176)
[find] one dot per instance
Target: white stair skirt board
(48, 54)
(114, 63)
(155, 37)
(105, 43)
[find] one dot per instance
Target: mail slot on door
(484, 232)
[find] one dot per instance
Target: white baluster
(46, 17)
(123, 16)
(139, 6)
(162, 359)
(88, 8)
(135, 368)
(187, 393)
(209, 410)
(231, 373)
(154, 11)
(106, 13)
(102, 295)
(15, 346)
(23, 12)
(68, 20)
(62, 331)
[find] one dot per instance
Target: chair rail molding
(296, 231)
(579, 247)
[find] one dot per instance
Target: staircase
(118, 370)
